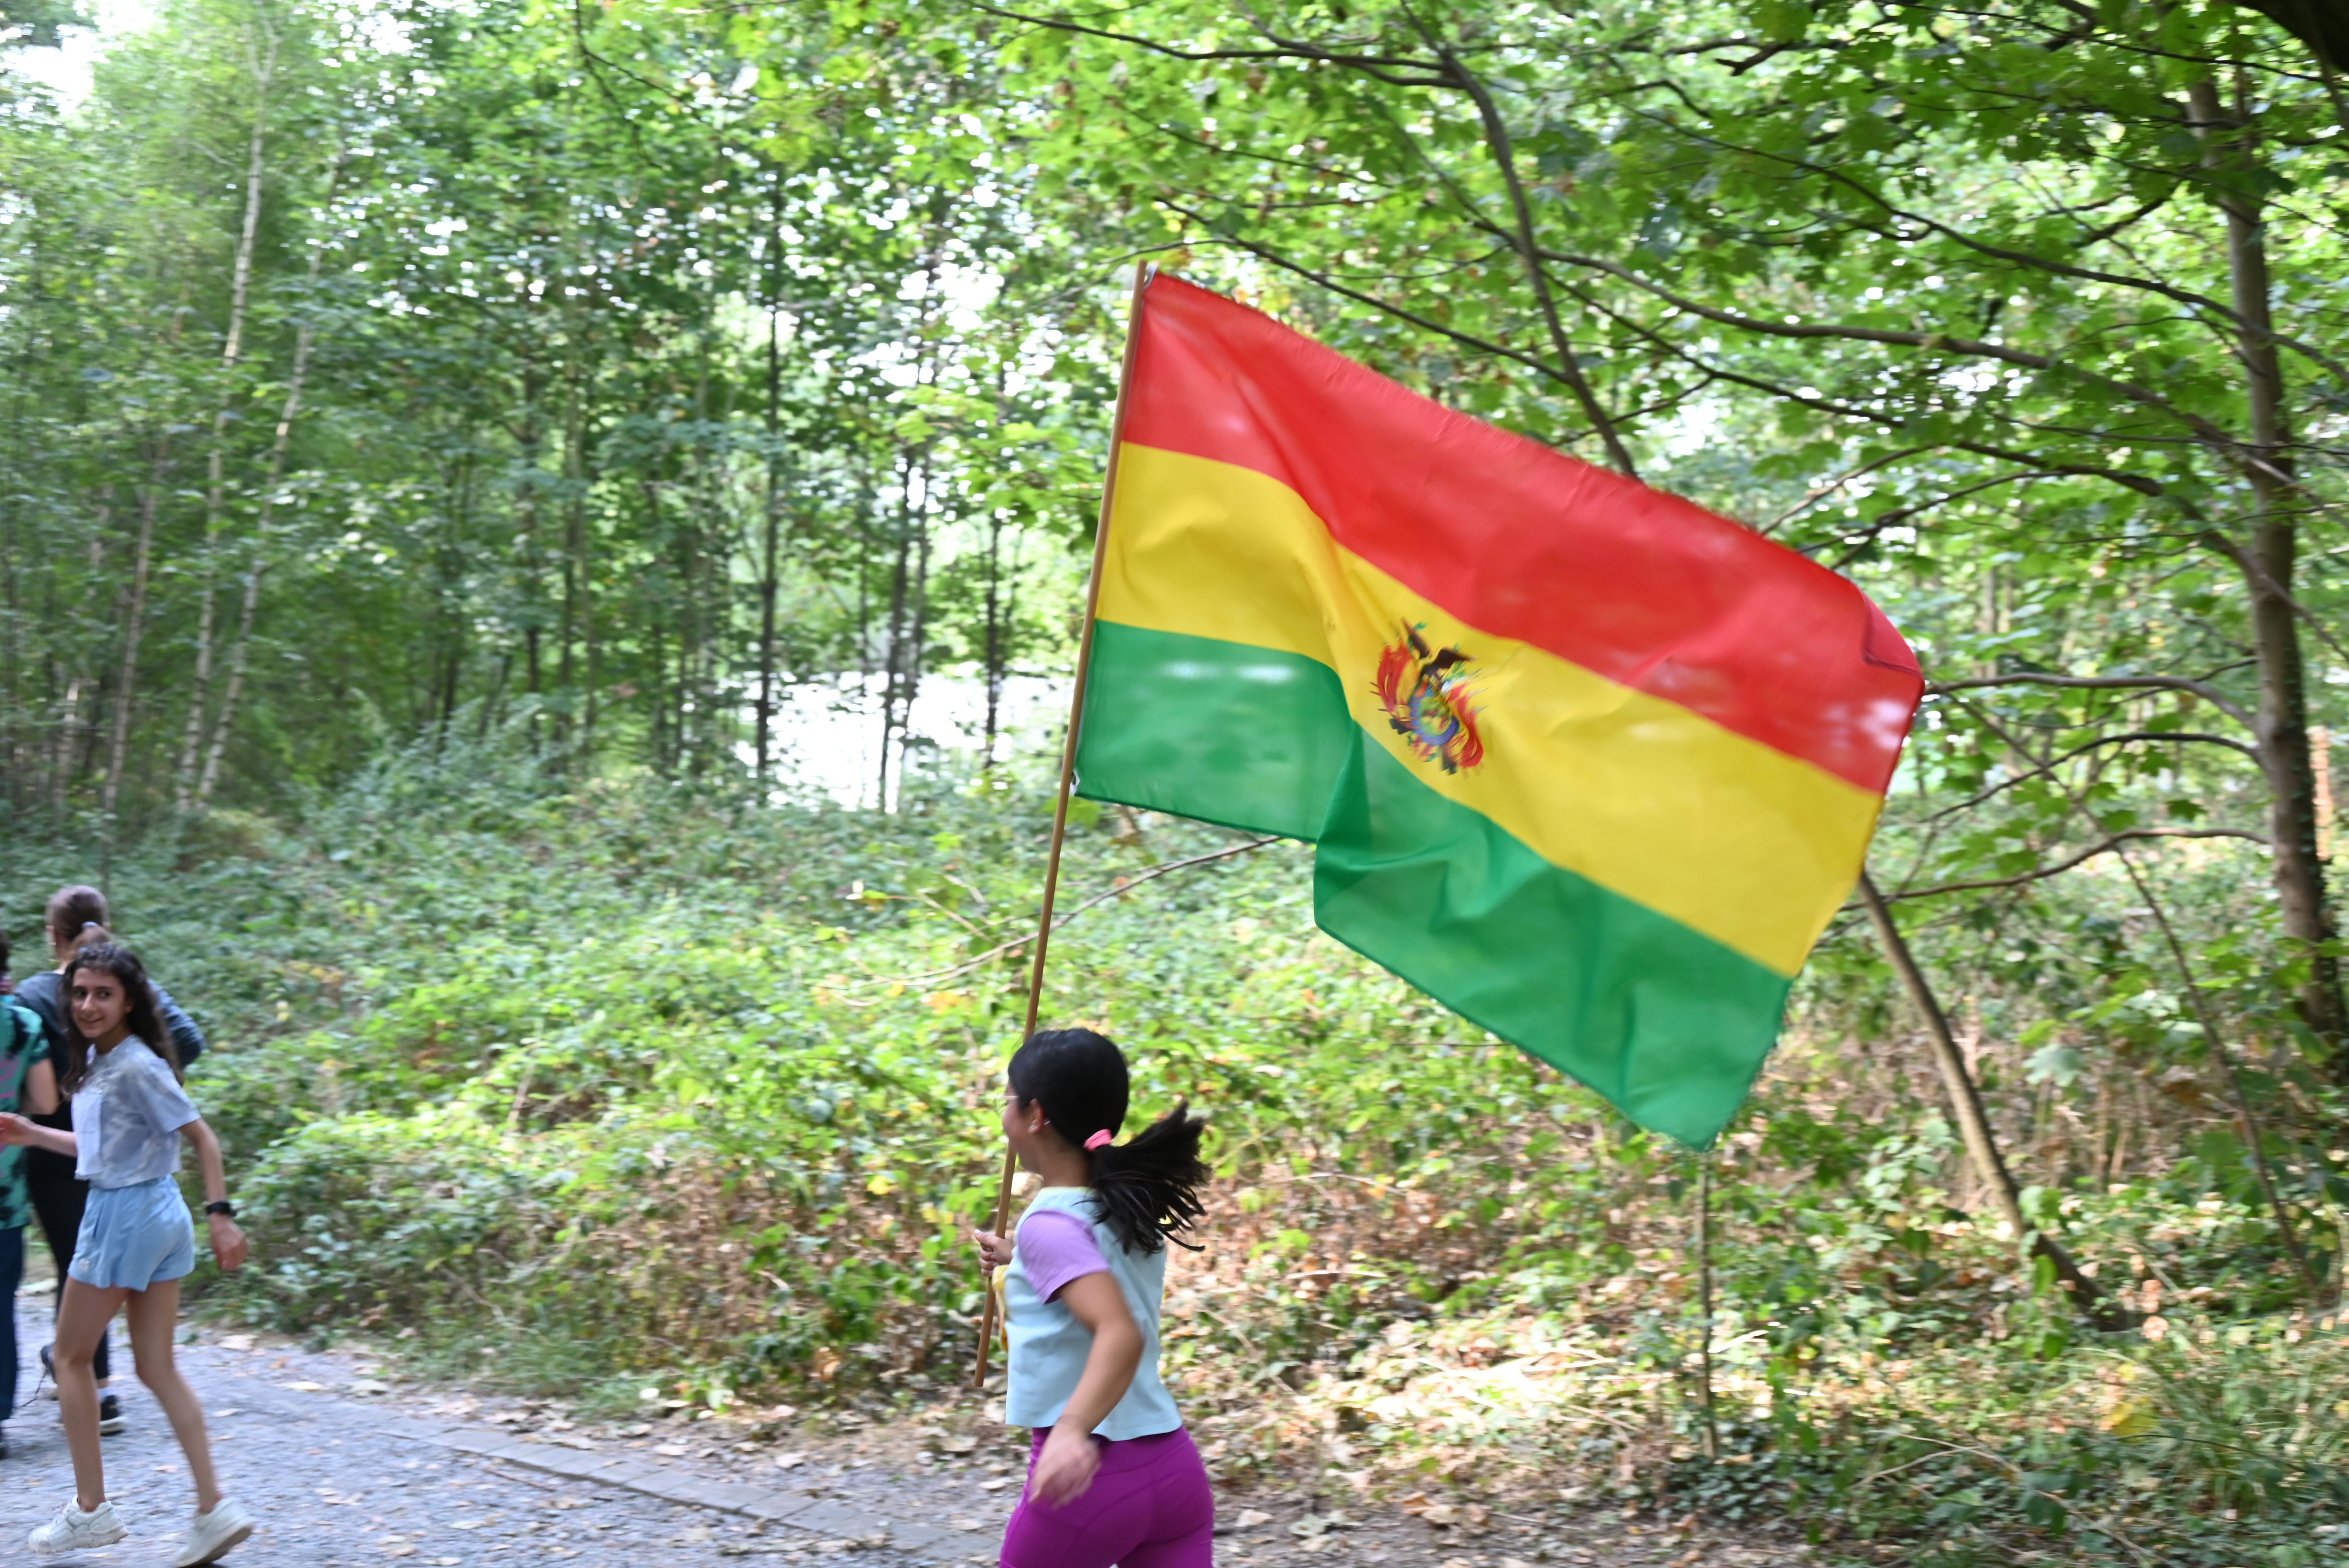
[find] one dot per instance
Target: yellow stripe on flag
(1729, 837)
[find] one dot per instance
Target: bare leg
(82, 1317)
(154, 1320)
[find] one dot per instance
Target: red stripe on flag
(1644, 588)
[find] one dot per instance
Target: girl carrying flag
(129, 1115)
(1113, 1476)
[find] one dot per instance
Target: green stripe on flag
(1225, 732)
(1668, 1025)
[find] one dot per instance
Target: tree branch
(2054, 762)
(1528, 249)
(2208, 693)
(2081, 858)
(1381, 67)
(1124, 885)
(1900, 515)
(1263, 253)
(2144, 397)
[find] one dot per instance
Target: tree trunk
(70, 711)
(281, 440)
(533, 564)
(579, 606)
(239, 656)
(216, 476)
(125, 688)
(1965, 1101)
(770, 541)
(900, 584)
(994, 645)
(2268, 564)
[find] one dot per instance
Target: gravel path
(344, 1470)
(340, 1480)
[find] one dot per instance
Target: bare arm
(229, 1244)
(41, 1087)
(15, 1131)
(1065, 1469)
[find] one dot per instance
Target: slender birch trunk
(770, 543)
(70, 713)
(264, 66)
(125, 688)
(281, 439)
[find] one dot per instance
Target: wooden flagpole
(1142, 271)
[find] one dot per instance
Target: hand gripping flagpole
(1142, 273)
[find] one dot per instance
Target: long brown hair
(145, 1018)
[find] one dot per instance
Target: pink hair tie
(1096, 1140)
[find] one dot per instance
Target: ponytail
(1147, 1189)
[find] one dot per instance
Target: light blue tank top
(1049, 1347)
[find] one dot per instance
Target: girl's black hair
(1147, 1189)
(145, 1018)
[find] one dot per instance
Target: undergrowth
(620, 1081)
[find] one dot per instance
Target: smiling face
(101, 1007)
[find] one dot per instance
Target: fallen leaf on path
(997, 1485)
(789, 1461)
(366, 1386)
(670, 1450)
(1250, 1518)
(304, 1387)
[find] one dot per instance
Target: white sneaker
(211, 1536)
(74, 1531)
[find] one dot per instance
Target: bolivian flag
(1585, 762)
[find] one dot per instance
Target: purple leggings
(1149, 1507)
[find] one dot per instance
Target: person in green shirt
(28, 1085)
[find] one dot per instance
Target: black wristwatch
(223, 1208)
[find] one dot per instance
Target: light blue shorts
(135, 1237)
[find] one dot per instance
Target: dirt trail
(347, 1471)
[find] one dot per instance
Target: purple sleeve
(1056, 1247)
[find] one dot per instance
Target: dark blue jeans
(12, 1273)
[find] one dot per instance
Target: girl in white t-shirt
(137, 1243)
(1113, 1475)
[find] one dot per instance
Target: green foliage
(683, 1089)
(398, 631)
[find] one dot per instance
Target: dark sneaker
(110, 1416)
